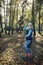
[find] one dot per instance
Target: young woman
(28, 41)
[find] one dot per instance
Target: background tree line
(18, 13)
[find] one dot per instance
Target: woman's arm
(25, 28)
(29, 33)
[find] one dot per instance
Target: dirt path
(11, 48)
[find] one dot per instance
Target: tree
(13, 11)
(5, 20)
(10, 23)
(23, 6)
(33, 18)
(0, 25)
(39, 3)
(1, 15)
(21, 21)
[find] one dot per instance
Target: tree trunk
(10, 23)
(33, 18)
(1, 17)
(13, 19)
(0, 25)
(39, 23)
(39, 19)
(5, 19)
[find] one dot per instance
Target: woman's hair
(30, 24)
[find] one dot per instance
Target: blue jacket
(28, 34)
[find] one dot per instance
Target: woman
(28, 41)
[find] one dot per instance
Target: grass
(12, 48)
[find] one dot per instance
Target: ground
(11, 48)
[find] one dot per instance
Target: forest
(14, 15)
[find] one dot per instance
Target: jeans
(27, 46)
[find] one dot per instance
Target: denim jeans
(27, 46)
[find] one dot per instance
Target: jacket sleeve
(25, 28)
(29, 33)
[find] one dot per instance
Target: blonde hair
(30, 24)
